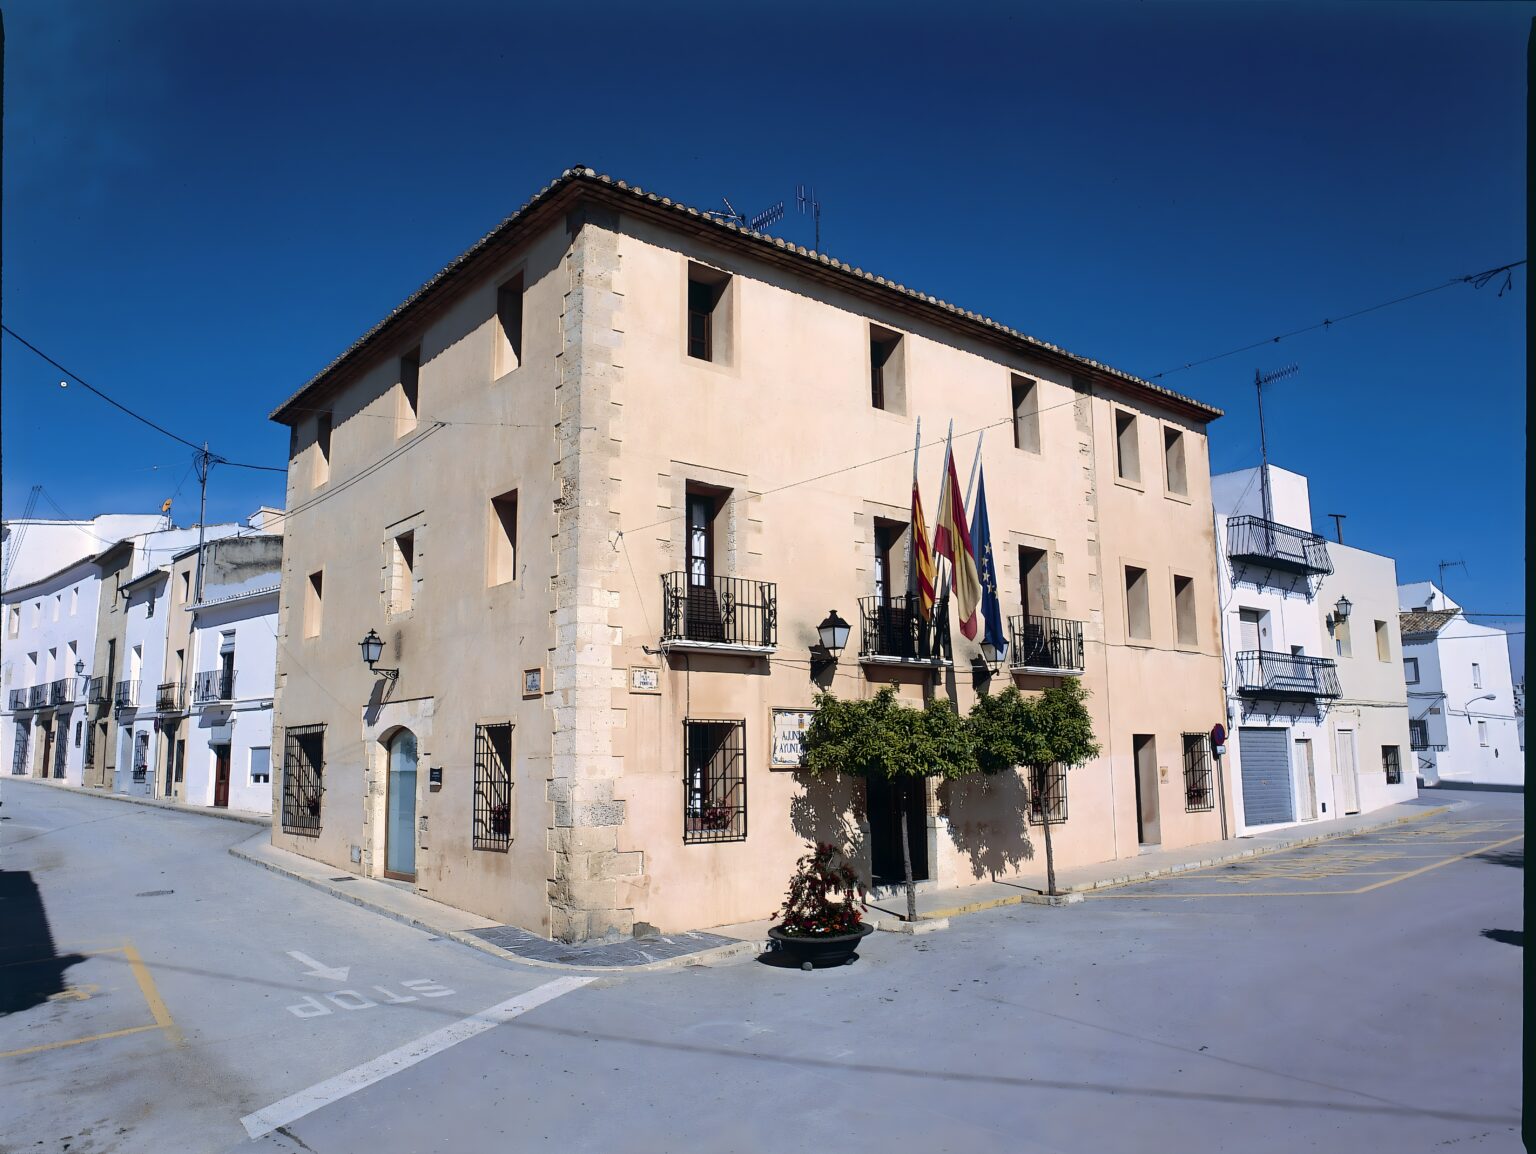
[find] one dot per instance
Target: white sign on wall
(789, 726)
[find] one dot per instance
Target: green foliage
(880, 737)
(810, 909)
(1009, 729)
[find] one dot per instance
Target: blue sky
(203, 204)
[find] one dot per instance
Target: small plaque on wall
(533, 682)
(644, 679)
(789, 726)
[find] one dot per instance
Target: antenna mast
(808, 204)
(1444, 565)
(1259, 381)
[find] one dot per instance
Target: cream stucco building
(594, 487)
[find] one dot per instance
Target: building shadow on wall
(832, 810)
(31, 969)
(989, 821)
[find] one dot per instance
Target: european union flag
(986, 569)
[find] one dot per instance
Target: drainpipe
(1218, 535)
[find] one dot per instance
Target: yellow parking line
(152, 995)
(1438, 864)
(79, 1041)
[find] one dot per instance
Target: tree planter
(822, 950)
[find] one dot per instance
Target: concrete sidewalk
(154, 802)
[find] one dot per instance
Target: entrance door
(1346, 786)
(42, 769)
(887, 801)
(400, 820)
(1147, 826)
(221, 776)
(1308, 779)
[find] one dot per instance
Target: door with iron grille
(400, 807)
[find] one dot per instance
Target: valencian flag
(986, 568)
(922, 567)
(952, 539)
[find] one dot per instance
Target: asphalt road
(1361, 995)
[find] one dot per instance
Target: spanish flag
(922, 556)
(952, 539)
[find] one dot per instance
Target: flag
(922, 567)
(986, 568)
(952, 539)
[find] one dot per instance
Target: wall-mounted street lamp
(832, 639)
(80, 680)
(1467, 708)
(373, 648)
(992, 657)
(1341, 610)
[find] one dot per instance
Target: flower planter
(823, 950)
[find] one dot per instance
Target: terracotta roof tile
(1426, 620)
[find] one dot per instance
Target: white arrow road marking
(329, 973)
(321, 1094)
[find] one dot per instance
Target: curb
(712, 956)
(152, 802)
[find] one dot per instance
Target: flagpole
(912, 586)
(943, 590)
(970, 488)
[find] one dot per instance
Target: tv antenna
(808, 204)
(1338, 525)
(1259, 381)
(762, 220)
(1444, 565)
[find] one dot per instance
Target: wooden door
(1308, 778)
(1346, 785)
(221, 776)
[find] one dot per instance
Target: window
(715, 782)
(261, 765)
(1392, 765)
(709, 329)
(322, 448)
(1127, 453)
(509, 326)
(887, 379)
(493, 787)
(1383, 642)
(1418, 734)
(887, 535)
(1048, 794)
(314, 590)
(141, 756)
(74, 600)
(79, 733)
(1186, 629)
(402, 572)
(13, 621)
(186, 586)
(1173, 462)
(1477, 676)
(58, 605)
(1341, 640)
(1411, 670)
(1482, 734)
(410, 392)
(503, 533)
(1199, 795)
(1138, 614)
(303, 778)
(1026, 414)
(700, 545)
(181, 757)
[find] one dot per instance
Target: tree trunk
(906, 856)
(1045, 821)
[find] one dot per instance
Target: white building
(1280, 669)
(33, 547)
(1368, 722)
(1460, 692)
(136, 700)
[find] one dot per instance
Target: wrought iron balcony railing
(18, 700)
(891, 629)
(170, 697)
(62, 691)
(727, 611)
(1045, 643)
(1289, 676)
(37, 696)
(125, 694)
(100, 691)
(214, 685)
(1255, 541)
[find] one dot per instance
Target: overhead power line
(1475, 279)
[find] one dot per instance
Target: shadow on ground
(31, 970)
(1513, 857)
(1508, 937)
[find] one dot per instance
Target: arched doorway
(400, 808)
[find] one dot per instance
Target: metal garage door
(1266, 769)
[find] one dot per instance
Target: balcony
(100, 691)
(892, 633)
(62, 691)
(721, 614)
(170, 697)
(37, 696)
(1286, 676)
(125, 695)
(18, 700)
(214, 685)
(1045, 644)
(1255, 541)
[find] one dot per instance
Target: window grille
(141, 757)
(1418, 735)
(19, 755)
(1392, 763)
(61, 750)
(1048, 794)
(493, 787)
(303, 778)
(715, 782)
(1199, 795)
(90, 746)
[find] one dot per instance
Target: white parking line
(307, 1101)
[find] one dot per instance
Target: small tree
(880, 737)
(1011, 730)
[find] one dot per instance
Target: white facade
(47, 627)
(143, 658)
(1368, 723)
(1281, 678)
(1460, 692)
(33, 548)
(236, 631)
